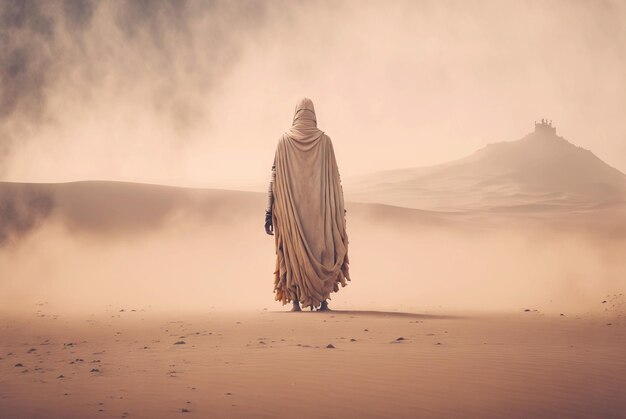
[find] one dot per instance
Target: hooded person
(305, 213)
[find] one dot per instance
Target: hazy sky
(198, 93)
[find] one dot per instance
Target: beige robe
(308, 214)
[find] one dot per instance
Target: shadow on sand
(374, 313)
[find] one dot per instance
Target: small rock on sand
(185, 410)
(180, 342)
(330, 346)
(19, 364)
(399, 339)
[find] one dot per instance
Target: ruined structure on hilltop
(545, 127)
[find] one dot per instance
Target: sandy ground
(278, 364)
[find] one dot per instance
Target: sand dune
(108, 208)
(541, 171)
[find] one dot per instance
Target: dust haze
(113, 246)
(196, 93)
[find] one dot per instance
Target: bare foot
(324, 306)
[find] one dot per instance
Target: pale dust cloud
(197, 93)
(189, 261)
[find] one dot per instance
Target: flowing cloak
(308, 214)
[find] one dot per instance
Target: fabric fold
(308, 214)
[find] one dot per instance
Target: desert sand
(513, 308)
(129, 362)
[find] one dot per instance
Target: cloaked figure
(305, 213)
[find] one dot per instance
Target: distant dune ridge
(542, 171)
(107, 208)
(538, 174)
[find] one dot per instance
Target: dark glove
(269, 227)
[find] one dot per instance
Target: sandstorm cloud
(197, 92)
(161, 57)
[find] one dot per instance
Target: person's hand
(269, 227)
